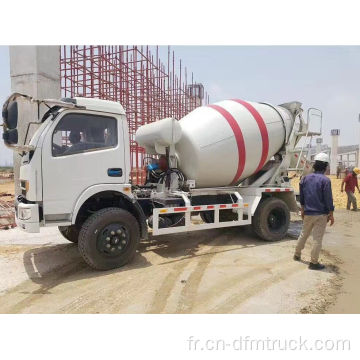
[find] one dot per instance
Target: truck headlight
(24, 214)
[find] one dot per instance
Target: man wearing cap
(351, 183)
(316, 209)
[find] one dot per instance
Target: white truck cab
(74, 152)
(75, 174)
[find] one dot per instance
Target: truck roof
(98, 105)
(72, 103)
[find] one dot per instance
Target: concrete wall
(35, 71)
(348, 159)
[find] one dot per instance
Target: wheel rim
(276, 220)
(113, 239)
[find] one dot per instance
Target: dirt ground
(217, 271)
(6, 187)
(7, 216)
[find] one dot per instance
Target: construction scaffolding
(148, 89)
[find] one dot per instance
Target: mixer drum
(224, 143)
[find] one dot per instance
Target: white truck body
(75, 175)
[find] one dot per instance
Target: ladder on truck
(303, 153)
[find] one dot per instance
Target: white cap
(322, 157)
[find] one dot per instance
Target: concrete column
(318, 145)
(334, 150)
(35, 71)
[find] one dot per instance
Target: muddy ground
(216, 271)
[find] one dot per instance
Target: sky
(325, 77)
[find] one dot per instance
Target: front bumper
(27, 217)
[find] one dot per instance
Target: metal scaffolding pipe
(147, 89)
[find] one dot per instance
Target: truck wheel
(70, 233)
(271, 219)
(109, 238)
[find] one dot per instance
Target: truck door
(80, 150)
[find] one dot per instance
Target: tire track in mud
(34, 290)
(28, 292)
(38, 286)
(277, 271)
(78, 289)
(191, 299)
(189, 292)
(163, 293)
(254, 289)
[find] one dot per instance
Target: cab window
(78, 133)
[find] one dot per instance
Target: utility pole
(34, 71)
(318, 145)
(334, 150)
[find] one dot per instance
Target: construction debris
(7, 211)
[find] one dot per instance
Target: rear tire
(70, 233)
(109, 238)
(271, 219)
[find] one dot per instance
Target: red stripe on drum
(263, 131)
(239, 140)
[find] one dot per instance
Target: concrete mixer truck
(226, 166)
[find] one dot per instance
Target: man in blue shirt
(316, 209)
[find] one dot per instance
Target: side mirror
(10, 115)
(10, 137)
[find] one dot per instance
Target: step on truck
(226, 164)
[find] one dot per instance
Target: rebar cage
(148, 89)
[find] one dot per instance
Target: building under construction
(148, 88)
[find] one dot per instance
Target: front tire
(271, 219)
(109, 238)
